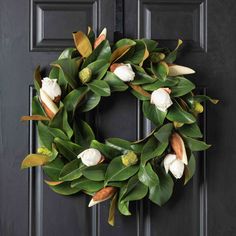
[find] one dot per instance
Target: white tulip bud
(125, 72)
(161, 99)
(51, 87)
(90, 157)
(174, 165)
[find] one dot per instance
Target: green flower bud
(198, 107)
(157, 56)
(44, 151)
(85, 75)
(129, 159)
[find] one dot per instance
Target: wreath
(75, 161)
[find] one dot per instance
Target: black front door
(33, 32)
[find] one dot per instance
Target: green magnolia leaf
(119, 144)
(73, 98)
(142, 78)
(57, 133)
(170, 83)
(116, 171)
(102, 51)
(67, 53)
(95, 173)
(137, 193)
(87, 185)
(45, 137)
(108, 151)
(99, 68)
(148, 176)
(191, 130)
(37, 79)
(137, 147)
(53, 169)
(162, 192)
(202, 98)
(153, 114)
(34, 160)
(82, 44)
(139, 52)
(83, 133)
(124, 42)
(115, 83)
(172, 55)
(151, 44)
(152, 149)
(68, 149)
(90, 102)
(124, 208)
(72, 170)
(176, 113)
(140, 96)
(163, 134)
(69, 68)
(60, 121)
(183, 87)
(189, 169)
(100, 87)
(91, 35)
(37, 108)
(65, 189)
(161, 70)
(195, 145)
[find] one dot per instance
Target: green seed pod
(129, 159)
(85, 75)
(157, 56)
(198, 107)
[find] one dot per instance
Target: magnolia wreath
(123, 171)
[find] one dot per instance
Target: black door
(33, 32)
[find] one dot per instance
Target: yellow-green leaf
(111, 217)
(53, 183)
(34, 160)
(82, 43)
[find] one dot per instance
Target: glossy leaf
(119, 144)
(73, 98)
(169, 83)
(46, 138)
(153, 114)
(65, 189)
(151, 44)
(67, 53)
(53, 169)
(176, 113)
(163, 134)
(114, 82)
(108, 151)
(60, 121)
(87, 185)
(83, 133)
(191, 130)
(189, 169)
(202, 98)
(148, 176)
(37, 79)
(99, 68)
(68, 149)
(37, 107)
(100, 87)
(139, 52)
(69, 68)
(95, 173)
(183, 87)
(152, 149)
(116, 171)
(161, 192)
(102, 51)
(161, 70)
(172, 55)
(82, 43)
(34, 160)
(195, 145)
(90, 102)
(72, 170)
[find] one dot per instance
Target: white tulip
(90, 157)
(125, 72)
(161, 99)
(174, 165)
(51, 87)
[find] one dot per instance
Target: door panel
(34, 32)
